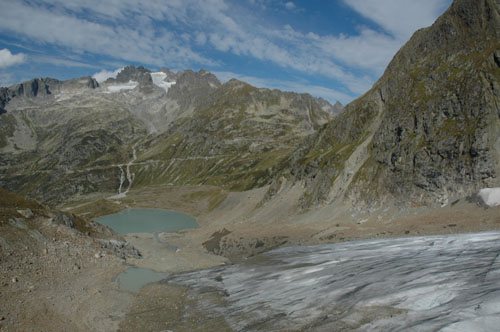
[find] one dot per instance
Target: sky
(334, 49)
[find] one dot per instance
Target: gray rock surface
(130, 73)
(329, 108)
(120, 248)
(439, 132)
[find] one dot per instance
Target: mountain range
(65, 139)
(426, 134)
(260, 169)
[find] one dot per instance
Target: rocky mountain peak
(86, 82)
(338, 107)
(234, 82)
(171, 76)
(35, 87)
(130, 73)
(203, 77)
(427, 132)
(329, 108)
(192, 89)
(29, 89)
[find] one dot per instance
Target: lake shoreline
(238, 235)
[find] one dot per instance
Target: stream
(129, 176)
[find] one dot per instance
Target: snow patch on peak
(159, 80)
(124, 86)
(490, 196)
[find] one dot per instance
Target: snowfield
(159, 80)
(490, 196)
(120, 87)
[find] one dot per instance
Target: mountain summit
(426, 133)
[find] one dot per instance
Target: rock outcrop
(192, 89)
(129, 73)
(429, 129)
(329, 108)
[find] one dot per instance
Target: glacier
(433, 283)
(159, 80)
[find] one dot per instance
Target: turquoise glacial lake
(147, 221)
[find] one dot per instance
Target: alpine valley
(260, 169)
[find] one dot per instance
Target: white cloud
(369, 50)
(136, 31)
(133, 39)
(60, 62)
(105, 74)
(8, 59)
(400, 17)
(353, 60)
(201, 38)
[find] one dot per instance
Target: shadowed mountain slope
(429, 129)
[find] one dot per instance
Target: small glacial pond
(135, 278)
(147, 221)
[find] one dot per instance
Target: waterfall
(122, 179)
(129, 177)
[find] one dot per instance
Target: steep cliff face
(429, 129)
(33, 88)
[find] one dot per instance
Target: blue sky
(332, 49)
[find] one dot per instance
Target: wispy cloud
(110, 35)
(400, 18)
(372, 50)
(61, 62)
(191, 33)
(8, 59)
